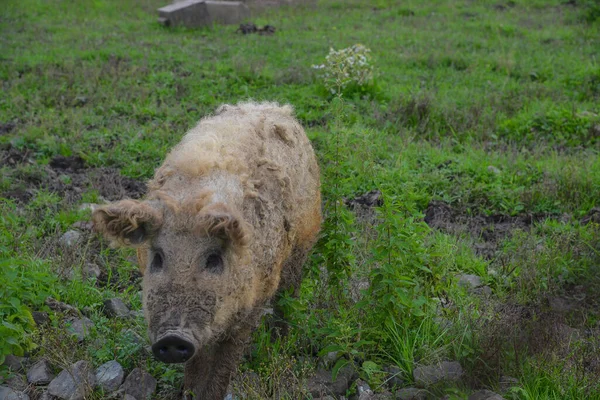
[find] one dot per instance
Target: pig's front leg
(207, 375)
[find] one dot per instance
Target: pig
(226, 226)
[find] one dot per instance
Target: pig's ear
(127, 222)
(219, 221)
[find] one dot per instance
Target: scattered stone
(443, 323)
(61, 307)
(411, 394)
(430, 375)
(395, 376)
(321, 383)
(139, 384)
(197, 13)
(109, 376)
(70, 238)
(80, 101)
(90, 270)
(483, 291)
(592, 216)
(469, 281)
(40, 373)
(17, 382)
(45, 396)
(86, 226)
(329, 359)
(74, 383)
(16, 364)
(370, 199)
(129, 397)
(247, 29)
(363, 390)
(493, 170)
(485, 395)
(40, 318)
(136, 313)
(116, 308)
(81, 327)
(7, 393)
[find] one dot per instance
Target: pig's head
(196, 276)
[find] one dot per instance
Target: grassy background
(461, 86)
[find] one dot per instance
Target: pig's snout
(173, 348)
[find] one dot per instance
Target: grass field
(479, 136)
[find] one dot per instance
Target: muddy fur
(227, 223)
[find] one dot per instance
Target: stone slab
(198, 13)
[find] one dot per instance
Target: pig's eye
(157, 263)
(214, 262)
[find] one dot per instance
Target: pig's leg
(291, 278)
(208, 373)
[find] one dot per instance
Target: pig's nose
(173, 349)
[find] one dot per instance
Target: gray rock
(363, 390)
(133, 336)
(90, 270)
(61, 307)
(88, 206)
(45, 396)
(485, 395)
(469, 281)
(17, 382)
(325, 398)
(40, 373)
(394, 378)
(139, 384)
(40, 318)
(483, 291)
(81, 327)
(109, 376)
(411, 394)
(70, 238)
(321, 383)
(15, 363)
(74, 383)
(7, 393)
(129, 397)
(430, 375)
(329, 359)
(196, 13)
(116, 308)
(494, 170)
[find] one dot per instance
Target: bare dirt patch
(69, 177)
(488, 232)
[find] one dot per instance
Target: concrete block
(197, 13)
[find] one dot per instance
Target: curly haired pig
(227, 223)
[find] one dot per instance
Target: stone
(321, 383)
(469, 281)
(70, 238)
(483, 291)
(109, 376)
(430, 375)
(40, 318)
(197, 13)
(132, 336)
(116, 308)
(17, 382)
(411, 394)
(60, 306)
(329, 359)
(485, 395)
(40, 373)
(139, 384)
(75, 383)
(394, 378)
(493, 170)
(81, 327)
(15, 363)
(363, 391)
(90, 271)
(7, 393)
(45, 396)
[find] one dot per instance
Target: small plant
(347, 69)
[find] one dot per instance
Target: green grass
(490, 107)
